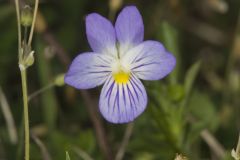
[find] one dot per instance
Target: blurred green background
(195, 111)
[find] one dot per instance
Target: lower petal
(88, 70)
(122, 103)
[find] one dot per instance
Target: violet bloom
(120, 58)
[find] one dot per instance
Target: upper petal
(150, 61)
(122, 103)
(88, 70)
(101, 34)
(129, 28)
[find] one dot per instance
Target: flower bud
(26, 16)
(115, 4)
(26, 56)
(30, 59)
(180, 157)
(59, 80)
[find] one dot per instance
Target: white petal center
(120, 71)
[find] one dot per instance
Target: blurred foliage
(203, 92)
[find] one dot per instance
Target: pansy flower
(120, 60)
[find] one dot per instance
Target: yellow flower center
(121, 77)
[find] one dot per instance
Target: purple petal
(100, 34)
(129, 28)
(122, 103)
(150, 61)
(88, 70)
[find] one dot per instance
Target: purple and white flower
(120, 58)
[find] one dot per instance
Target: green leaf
(169, 36)
(190, 77)
(203, 114)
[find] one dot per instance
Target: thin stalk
(33, 22)
(125, 141)
(8, 117)
(26, 116)
(43, 148)
(31, 96)
(18, 26)
(213, 144)
(81, 153)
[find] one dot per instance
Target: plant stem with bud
(26, 59)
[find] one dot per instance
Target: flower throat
(121, 77)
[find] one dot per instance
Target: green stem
(24, 84)
(33, 22)
(31, 96)
(19, 26)
(26, 117)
